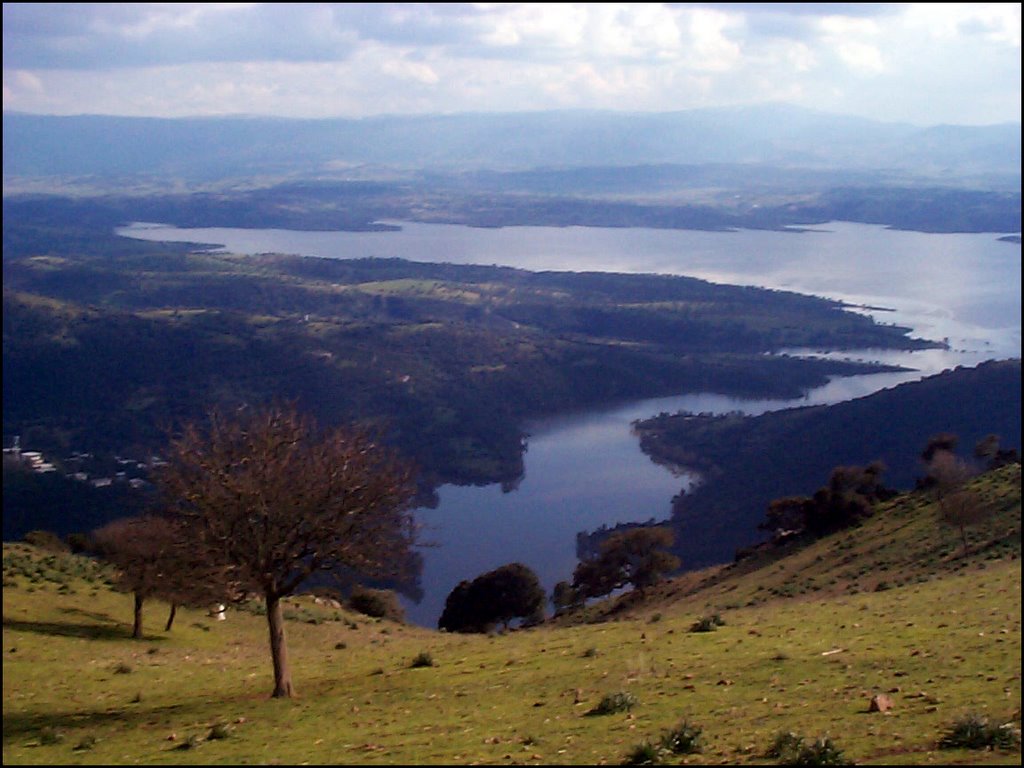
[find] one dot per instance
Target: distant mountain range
(780, 136)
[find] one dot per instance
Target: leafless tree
(154, 561)
(267, 495)
(959, 505)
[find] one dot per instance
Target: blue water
(586, 470)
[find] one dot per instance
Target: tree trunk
(170, 617)
(279, 649)
(137, 623)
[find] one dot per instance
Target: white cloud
(946, 62)
(861, 57)
(410, 70)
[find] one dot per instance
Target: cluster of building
(78, 466)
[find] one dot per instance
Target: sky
(923, 64)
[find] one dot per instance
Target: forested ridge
(747, 461)
(108, 343)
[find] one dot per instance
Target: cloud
(97, 36)
(909, 62)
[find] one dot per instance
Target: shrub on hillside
(704, 624)
(47, 540)
(611, 703)
(644, 753)
(377, 603)
(685, 739)
(975, 732)
(791, 749)
(423, 659)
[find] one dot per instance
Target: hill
(764, 167)
(224, 147)
(448, 361)
(807, 638)
(747, 461)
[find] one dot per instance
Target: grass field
(805, 643)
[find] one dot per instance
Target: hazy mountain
(207, 148)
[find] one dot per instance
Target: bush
(423, 659)
(47, 540)
(622, 701)
(643, 754)
(785, 745)
(218, 731)
(704, 624)
(48, 736)
(790, 749)
(685, 739)
(975, 732)
(510, 592)
(377, 603)
(822, 752)
(190, 743)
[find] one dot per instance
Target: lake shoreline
(959, 291)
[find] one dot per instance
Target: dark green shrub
(590, 653)
(122, 669)
(376, 603)
(218, 731)
(684, 739)
(87, 742)
(423, 659)
(48, 736)
(643, 754)
(790, 749)
(494, 598)
(785, 746)
(704, 624)
(822, 751)
(623, 701)
(190, 743)
(974, 732)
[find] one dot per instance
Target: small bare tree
(959, 505)
(154, 561)
(266, 495)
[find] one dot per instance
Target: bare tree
(265, 494)
(959, 505)
(154, 561)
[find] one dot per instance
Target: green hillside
(892, 607)
(747, 461)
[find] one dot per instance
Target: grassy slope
(943, 639)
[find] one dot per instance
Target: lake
(586, 470)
